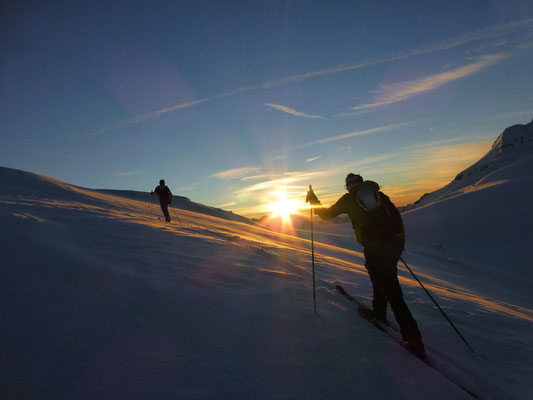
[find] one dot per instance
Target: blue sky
(232, 101)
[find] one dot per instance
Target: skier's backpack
(385, 221)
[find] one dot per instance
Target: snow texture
(100, 299)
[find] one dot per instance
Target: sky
(233, 102)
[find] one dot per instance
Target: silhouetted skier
(165, 197)
(379, 229)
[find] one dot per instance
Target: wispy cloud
(414, 170)
(292, 111)
(352, 134)
(235, 173)
(288, 180)
(490, 32)
(313, 159)
(481, 34)
(249, 178)
(405, 174)
(175, 107)
(393, 93)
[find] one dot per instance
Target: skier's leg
(408, 326)
(372, 264)
(379, 302)
(384, 264)
(164, 208)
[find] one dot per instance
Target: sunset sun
(284, 206)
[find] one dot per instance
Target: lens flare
(284, 206)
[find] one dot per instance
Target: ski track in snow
(101, 299)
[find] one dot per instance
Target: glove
(311, 197)
(152, 192)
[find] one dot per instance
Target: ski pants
(164, 208)
(382, 266)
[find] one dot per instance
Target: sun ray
(284, 207)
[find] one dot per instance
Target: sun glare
(284, 206)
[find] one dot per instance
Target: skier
(383, 241)
(165, 197)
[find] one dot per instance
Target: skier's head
(352, 181)
(161, 182)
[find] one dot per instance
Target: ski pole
(440, 309)
(151, 205)
(312, 252)
(313, 259)
(178, 218)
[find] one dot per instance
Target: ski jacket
(164, 193)
(360, 219)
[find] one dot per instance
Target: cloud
(412, 171)
(405, 174)
(481, 34)
(292, 111)
(494, 31)
(351, 134)
(288, 180)
(158, 113)
(393, 93)
(248, 178)
(235, 173)
(312, 159)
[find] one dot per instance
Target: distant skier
(165, 197)
(379, 229)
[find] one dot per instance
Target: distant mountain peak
(514, 136)
(509, 148)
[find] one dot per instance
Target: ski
(365, 312)
(393, 332)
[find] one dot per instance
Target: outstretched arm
(331, 212)
(325, 213)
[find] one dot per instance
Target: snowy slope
(181, 202)
(483, 220)
(513, 146)
(99, 299)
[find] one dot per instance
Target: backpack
(384, 219)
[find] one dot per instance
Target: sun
(284, 206)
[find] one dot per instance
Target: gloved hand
(152, 192)
(311, 197)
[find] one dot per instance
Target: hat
(353, 180)
(162, 182)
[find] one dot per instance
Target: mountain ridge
(510, 147)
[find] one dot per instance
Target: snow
(100, 299)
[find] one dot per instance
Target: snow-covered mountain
(100, 299)
(511, 150)
(484, 218)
